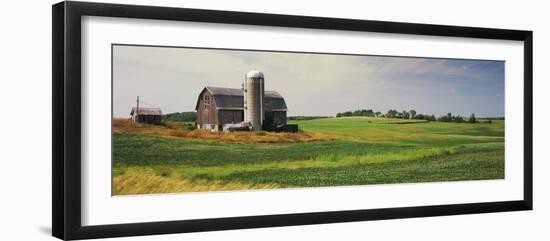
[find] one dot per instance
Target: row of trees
(459, 119)
(360, 113)
(390, 114)
(303, 117)
(190, 116)
(411, 114)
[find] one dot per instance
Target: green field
(364, 150)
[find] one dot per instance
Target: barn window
(206, 100)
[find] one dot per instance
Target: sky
(312, 84)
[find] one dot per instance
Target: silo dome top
(254, 74)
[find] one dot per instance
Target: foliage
(412, 114)
(392, 114)
(472, 119)
(425, 117)
(190, 116)
(458, 119)
(300, 117)
(362, 112)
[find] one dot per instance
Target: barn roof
(147, 111)
(224, 91)
(230, 98)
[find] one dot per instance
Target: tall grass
(171, 129)
(133, 182)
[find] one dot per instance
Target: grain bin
(253, 99)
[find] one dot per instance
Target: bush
(191, 126)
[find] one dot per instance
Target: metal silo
(253, 99)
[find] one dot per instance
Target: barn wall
(279, 117)
(206, 113)
(152, 119)
(273, 119)
(230, 116)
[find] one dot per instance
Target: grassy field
(327, 152)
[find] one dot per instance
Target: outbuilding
(146, 115)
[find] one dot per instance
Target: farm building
(146, 115)
(219, 106)
(250, 108)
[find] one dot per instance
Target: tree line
(189, 116)
(303, 117)
(411, 114)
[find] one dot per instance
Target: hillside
(364, 150)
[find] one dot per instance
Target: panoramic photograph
(199, 120)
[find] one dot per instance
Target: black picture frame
(66, 127)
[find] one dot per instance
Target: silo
(253, 99)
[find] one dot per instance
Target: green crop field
(334, 151)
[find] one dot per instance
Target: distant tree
(363, 112)
(413, 113)
(405, 114)
(425, 117)
(392, 113)
(446, 118)
(301, 117)
(359, 112)
(458, 118)
(369, 113)
(472, 118)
